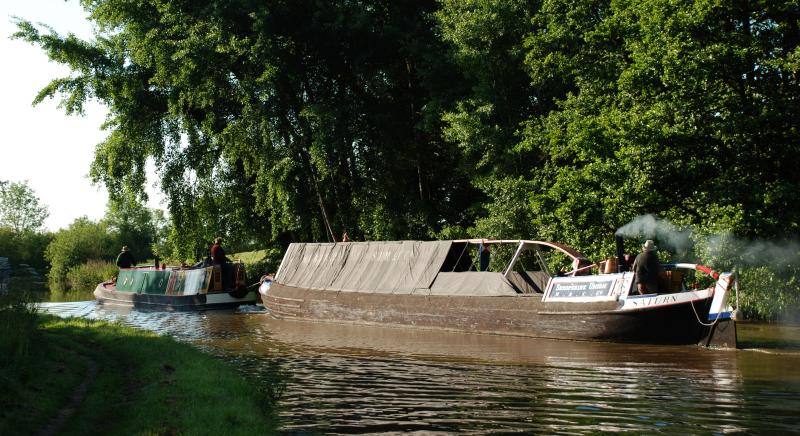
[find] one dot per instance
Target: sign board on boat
(606, 287)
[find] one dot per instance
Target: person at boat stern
(218, 254)
(647, 267)
(125, 258)
(218, 257)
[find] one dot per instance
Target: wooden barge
(442, 285)
(176, 289)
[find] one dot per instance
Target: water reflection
(350, 379)
(64, 296)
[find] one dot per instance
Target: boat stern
(720, 326)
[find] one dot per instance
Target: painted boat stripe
(721, 315)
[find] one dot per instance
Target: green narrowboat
(178, 288)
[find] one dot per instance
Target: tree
(25, 247)
(682, 109)
(131, 223)
(304, 117)
(20, 208)
(487, 43)
(83, 240)
(486, 40)
(400, 119)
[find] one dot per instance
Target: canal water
(348, 379)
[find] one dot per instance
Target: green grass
(37, 393)
(249, 257)
(146, 384)
(36, 377)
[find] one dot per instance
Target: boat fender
(239, 292)
(264, 288)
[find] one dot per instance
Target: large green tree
(22, 217)
(558, 119)
(306, 118)
(487, 44)
(685, 109)
(616, 109)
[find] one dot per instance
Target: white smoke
(723, 247)
(778, 255)
(666, 234)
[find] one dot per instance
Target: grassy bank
(144, 384)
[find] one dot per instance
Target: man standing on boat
(125, 258)
(647, 267)
(218, 257)
(217, 253)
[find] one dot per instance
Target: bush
(81, 241)
(769, 294)
(768, 273)
(85, 277)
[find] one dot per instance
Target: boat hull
(172, 303)
(523, 315)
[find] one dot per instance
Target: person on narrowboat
(484, 257)
(125, 258)
(647, 267)
(218, 257)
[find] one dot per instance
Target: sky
(41, 144)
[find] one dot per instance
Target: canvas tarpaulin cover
(482, 283)
(383, 267)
